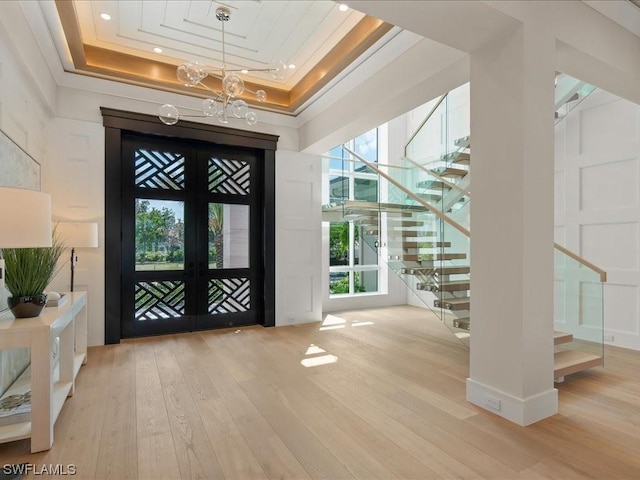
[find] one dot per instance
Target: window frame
(351, 174)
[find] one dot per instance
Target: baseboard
(518, 410)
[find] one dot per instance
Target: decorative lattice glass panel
(159, 170)
(159, 300)
(229, 295)
(229, 176)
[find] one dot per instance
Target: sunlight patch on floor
(333, 322)
(332, 327)
(313, 350)
(317, 361)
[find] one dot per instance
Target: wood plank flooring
(372, 394)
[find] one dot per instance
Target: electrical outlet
(608, 338)
(493, 403)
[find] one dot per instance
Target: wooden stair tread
(463, 159)
(451, 172)
(429, 197)
(561, 337)
(375, 213)
(404, 223)
(459, 157)
(416, 244)
(459, 303)
(451, 270)
(435, 257)
(456, 300)
(462, 323)
(458, 286)
(432, 185)
(567, 362)
(404, 234)
(360, 205)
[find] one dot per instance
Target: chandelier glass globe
(239, 108)
(211, 108)
(228, 100)
(277, 69)
(233, 85)
(190, 73)
(168, 114)
(251, 118)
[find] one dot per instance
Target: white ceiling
(624, 12)
(259, 31)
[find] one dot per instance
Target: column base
(517, 410)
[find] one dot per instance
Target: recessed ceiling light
(244, 71)
(292, 66)
(105, 16)
(157, 50)
(343, 8)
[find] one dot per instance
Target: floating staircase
(425, 227)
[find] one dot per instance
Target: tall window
(353, 257)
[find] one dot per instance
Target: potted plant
(28, 271)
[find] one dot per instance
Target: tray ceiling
(315, 36)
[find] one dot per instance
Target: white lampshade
(25, 218)
(78, 234)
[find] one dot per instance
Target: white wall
(298, 247)
(24, 115)
(597, 203)
(74, 176)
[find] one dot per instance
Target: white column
(512, 82)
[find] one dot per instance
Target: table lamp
(25, 220)
(77, 235)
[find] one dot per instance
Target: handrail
(441, 179)
(460, 228)
(429, 207)
(426, 119)
(586, 263)
(328, 157)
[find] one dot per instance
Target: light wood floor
(373, 394)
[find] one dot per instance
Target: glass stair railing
(436, 158)
(421, 231)
(578, 296)
(408, 235)
(579, 313)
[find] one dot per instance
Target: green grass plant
(28, 271)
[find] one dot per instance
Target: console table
(69, 323)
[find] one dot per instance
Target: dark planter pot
(25, 307)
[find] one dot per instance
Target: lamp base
(26, 307)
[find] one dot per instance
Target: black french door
(192, 236)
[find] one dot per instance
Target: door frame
(118, 121)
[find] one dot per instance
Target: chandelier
(224, 104)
